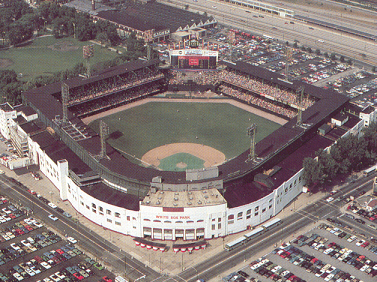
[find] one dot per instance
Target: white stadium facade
(151, 204)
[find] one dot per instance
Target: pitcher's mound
(181, 165)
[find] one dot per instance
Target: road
(281, 29)
(87, 240)
(312, 213)
(206, 270)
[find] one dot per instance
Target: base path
(209, 155)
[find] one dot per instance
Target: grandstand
(161, 191)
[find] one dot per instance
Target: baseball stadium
(175, 154)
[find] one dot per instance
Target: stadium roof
(153, 15)
(272, 149)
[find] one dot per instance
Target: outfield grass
(220, 126)
(36, 58)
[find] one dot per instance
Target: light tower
(65, 99)
(104, 131)
(299, 99)
(251, 132)
(87, 53)
(149, 52)
(288, 59)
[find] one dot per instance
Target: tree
(309, 50)
(342, 59)
(374, 69)
(349, 61)
(187, 7)
(312, 172)
(326, 54)
(303, 48)
(333, 56)
(295, 45)
(19, 32)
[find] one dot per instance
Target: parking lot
(326, 252)
(29, 251)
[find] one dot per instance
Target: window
(286, 190)
(230, 216)
(256, 214)
(290, 186)
(94, 206)
(146, 219)
(256, 208)
(213, 227)
(263, 210)
(200, 220)
(270, 201)
(100, 209)
(109, 220)
(239, 216)
(93, 210)
(133, 218)
(82, 203)
(156, 220)
(128, 218)
(167, 221)
(213, 219)
(248, 214)
(87, 206)
(270, 207)
(189, 221)
(117, 223)
(219, 219)
(295, 183)
(219, 226)
(108, 212)
(179, 221)
(117, 214)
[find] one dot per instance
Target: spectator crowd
(114, 84)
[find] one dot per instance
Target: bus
(255, 233)
(236, 243)
(252, 234)
(271, 224)
(370, 170)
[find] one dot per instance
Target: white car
(360, 242)
(72, 240)
(329, 199)
(14, 246)
(54, 218)
(45, 265)
(18, 276)
(52, 205)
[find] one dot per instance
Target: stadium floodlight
(87, 53)
(299, 99)
(251, 132)
(65, 99)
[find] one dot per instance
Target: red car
(107, 279)
(78, 276)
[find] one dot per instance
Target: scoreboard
(193, 59)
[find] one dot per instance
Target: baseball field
(176, 136)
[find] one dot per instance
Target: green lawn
(221, 126)
(37, 58)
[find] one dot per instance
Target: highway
(280, 28)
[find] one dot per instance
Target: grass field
(220, 126)
(46, 55)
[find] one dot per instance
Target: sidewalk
(166, 263)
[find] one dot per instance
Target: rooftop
(170, 199)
